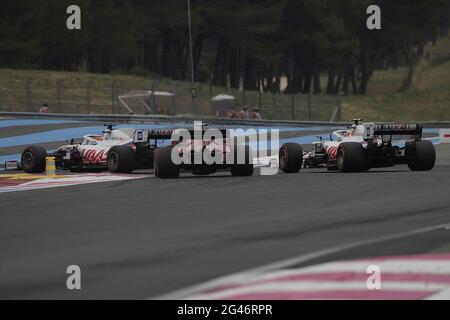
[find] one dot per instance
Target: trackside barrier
(123, 118)
(444, 136)
(120, 118)
(50, 166)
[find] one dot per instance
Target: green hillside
(428, 99)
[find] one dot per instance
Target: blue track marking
(64, 134)
(47, 136)
(9, 157)
(29, 122)
(69, 133)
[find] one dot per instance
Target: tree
(250, 42)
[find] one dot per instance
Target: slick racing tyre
(242, 169)
(33, 159)
(420, 155)
(350, 157)
(164, 167)
(121, 159)
(291, 157)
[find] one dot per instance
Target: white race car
(361, 147)
(117, 150)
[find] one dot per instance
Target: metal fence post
(194, 98)
(293, 105)
(273, 106)
(336, 116)
(88, 96)
(28, 94)
(339, 110)
(114, 97)
(153, 97)
(260, 100)
(317, 110)
(210, 87)
(174, 97)
(298, 105)
(309, 106)
(58, 96)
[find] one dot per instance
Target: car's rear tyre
(164, 166)
(420, 155)
(242, 169)
(291, 157)
(33, 159)
(350, 157)
(121, 159)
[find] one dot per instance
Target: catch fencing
(159, 97)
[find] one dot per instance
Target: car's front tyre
(33, 159)
(291, 157)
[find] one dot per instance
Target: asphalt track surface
(144, 238)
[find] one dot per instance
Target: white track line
(442, 295)
(309, 286)
(394, 266)
(251, 273)
(68, 181)
(391, 266)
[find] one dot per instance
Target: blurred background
(285, 59)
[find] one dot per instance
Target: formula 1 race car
(117, 150)
(190, 151)
(126, 149)
(362, 147)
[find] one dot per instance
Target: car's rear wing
(398, 129)
(160, 134)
